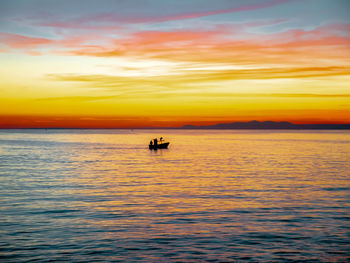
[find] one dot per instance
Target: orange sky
(167, 64)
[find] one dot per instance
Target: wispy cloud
(190, 77)
(194, 84)
(113, 20)
(223, 45)
(230, 44)
(76, 98)
(16, 41)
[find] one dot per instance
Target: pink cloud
(224, 43)
(3, 50)
(341, 28)
(218, 12)
(19, 41)
(324, 35)
(31, 44)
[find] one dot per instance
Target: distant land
(284, 125)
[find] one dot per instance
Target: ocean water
(213, 196)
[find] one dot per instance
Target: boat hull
(159, 146)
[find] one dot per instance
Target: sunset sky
(158, 63)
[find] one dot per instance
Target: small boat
(159, 146)
(154, 145)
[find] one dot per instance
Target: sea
(213, 196)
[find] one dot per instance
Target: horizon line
(217, 126)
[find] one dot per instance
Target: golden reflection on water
(230, 187)
(209, 171)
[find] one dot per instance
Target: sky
(168, 63)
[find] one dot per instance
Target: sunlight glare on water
(102, 195)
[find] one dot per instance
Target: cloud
(16, 41)
(112, 20)
(222, 43)
(194, 82)
(76, 98)
(225, 44)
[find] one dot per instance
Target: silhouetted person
(161, 139)
(150, 142)
(155, 142)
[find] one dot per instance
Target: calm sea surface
(213, 196)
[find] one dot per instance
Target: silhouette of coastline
(270, 125)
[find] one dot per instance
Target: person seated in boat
(155, 142)
(150, 142)
(161, 139)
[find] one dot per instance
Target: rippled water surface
(102, 195)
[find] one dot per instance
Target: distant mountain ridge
(284, 125)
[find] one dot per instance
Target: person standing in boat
(155, 142)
